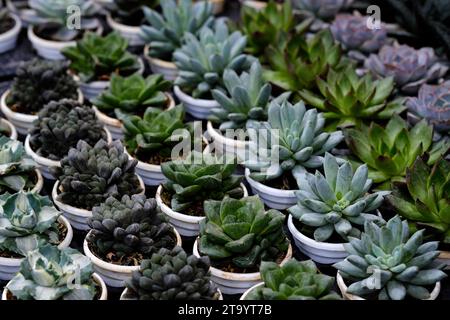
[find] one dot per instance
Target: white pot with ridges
(198, 108)
(131, 33)
(8, 39)
(227, 146)
(167, 68)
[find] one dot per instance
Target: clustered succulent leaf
(60, 125)
(91, 174)
(424, 198)
(173, 275)
(97, 58)
(202, 60)
(322, 9)
(337, 202)
(27, 221)
(16, 167)
(295, 280)
(37, 82)
(390, 263)
(47, 274)
(130, 12)
(130, 225)
(166, 32)
(200, 177)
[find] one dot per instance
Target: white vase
(8, 39)
(167, 68)
(198, 108)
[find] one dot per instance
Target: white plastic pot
(11, 129)
(77, 217)
(10, 266)
(273, 198)
(198, 108)
(236, 283)
(8, 39)
(167, 68)
(127, 296)
(114, 275)
(246, 293)
(258, 5)
(227, 146)
(187, 226)
(131, 33)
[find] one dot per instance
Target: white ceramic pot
(246, 293)
(114, 275)
(95, 277)
(23, 122)
(77, 217)
(236, 283)
(10, 266)
(198, 108)
(273, 198)
(131, 33)
(40, 182)
(22, 10)
(11, 129)
(321, 252)
(258, 5)
(8, 39)
(444, 257)
(187, 226)
(167, 68)
(227, 146)
(126, 295)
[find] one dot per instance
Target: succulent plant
(389, 151)
(337, 202)
(390, 263)
(16, 167)
(410, 67)
(200, 177)
(61, 124)
(96, 57)
(202, 60)
(166, 33)
(27, 221)
(294, 138)
(295, 280)
(241, 232)
(424, 198)
(49, 274)
(134, 94)
(37, 82)
(130, 12)
(433, 104)
(173, 275)
(129, 226)
(322, 9)
(91, 174)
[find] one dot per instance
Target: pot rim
(202, 103)
(12, 129)
(120, 26)
(162, 63)
(217, 135)
(266, 189)
(14, 30)
(246, 293)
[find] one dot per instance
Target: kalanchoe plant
(400, 263)
(96, 57)
(322, 9)
(389, 151)
(410, 67)
(424, 198)
(130, 12)
(172, 275)
(295, 280)
(91, 174)
(17, 169)
(46, 272)
(200, 177)
(27, 221)
(38, 82)
(202, 60)
(165, 33)
(132, 227)
(337, 202)
(61, 124)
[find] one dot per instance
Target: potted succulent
(331, 208)
(131, 95)
(10, 26)
(289, 142)
(89, 175)
(237, 235)
(190, 182)
(124, 233)
(172, 275)
(49, 273)
(59, 127)
(201, 62)
(95, 58)
(388, 263)
(8, 129)
(295, 280)
(28, 221)
(37, 82)
(165, 32)
(18, 170)
(51, 28)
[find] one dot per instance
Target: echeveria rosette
(410, 67)
(294, 280)
(322, 9)
(390, 263)
(48, 273)
(27, 221)
(337, 202)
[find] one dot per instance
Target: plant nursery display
(10, 26)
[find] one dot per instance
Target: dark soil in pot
(7, 25)
(285, 182)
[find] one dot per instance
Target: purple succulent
(410, 67)
(433, 104)
(323, 9)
